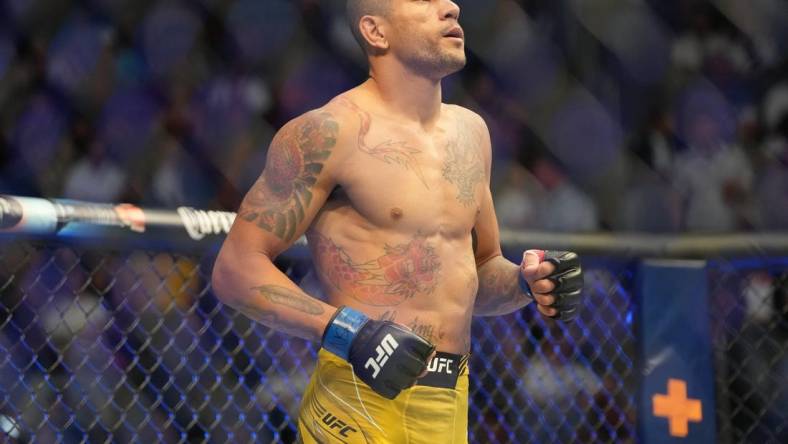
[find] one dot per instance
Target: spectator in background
(167, 187)
(39, 152)
(772, 184)
(650, 203)
(544, 198)
(514, 204)
(707, 46)
(536, 193)
(760, 361)
(561, 205)
(95, 177)
(713, 176)
(657, 145)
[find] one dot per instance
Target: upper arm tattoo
(464, 166)
(278, 200)
(389, 151)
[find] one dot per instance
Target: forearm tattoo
(292, 299)
(278, 200)
(272, 320)
(463, 166)
(271, 317)
(389, 151)
(402, 272)
(499, 291)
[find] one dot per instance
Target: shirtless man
(391, 188)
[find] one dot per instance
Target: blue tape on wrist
(524, 287)
(343, 328)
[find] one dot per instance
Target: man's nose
(452, 10)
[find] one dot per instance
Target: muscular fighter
(391, 188)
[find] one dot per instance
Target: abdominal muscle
(425, 282)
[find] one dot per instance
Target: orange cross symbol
(677, 408)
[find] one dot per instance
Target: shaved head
(359, 8)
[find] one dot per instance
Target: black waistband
(444, 369)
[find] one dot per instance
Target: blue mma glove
(386, 356)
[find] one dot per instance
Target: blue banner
(676, 399)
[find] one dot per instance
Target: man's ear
(373, 30)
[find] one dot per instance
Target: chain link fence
(132, 346)
(749, 314)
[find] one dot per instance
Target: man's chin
(455, 65)
(440, 66)
(451, 62)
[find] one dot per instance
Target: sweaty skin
(392, 189)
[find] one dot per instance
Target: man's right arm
(295, 183)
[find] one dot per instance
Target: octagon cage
(111, 335)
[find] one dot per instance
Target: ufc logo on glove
(369, 344)
(385, 350)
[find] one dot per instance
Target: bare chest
(410, 181)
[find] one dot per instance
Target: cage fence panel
(749, 313)
(101, 345)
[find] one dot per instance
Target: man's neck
(405, 93)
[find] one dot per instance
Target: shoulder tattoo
(277, 201)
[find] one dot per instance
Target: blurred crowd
(657, 116)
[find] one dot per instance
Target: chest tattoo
(463, 166)
(389, 151)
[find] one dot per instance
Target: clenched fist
(555, 279)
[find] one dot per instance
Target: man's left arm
(499, 291)
(553, 279)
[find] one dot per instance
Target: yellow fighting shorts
(339, 408)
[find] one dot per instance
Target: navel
(396, 213)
